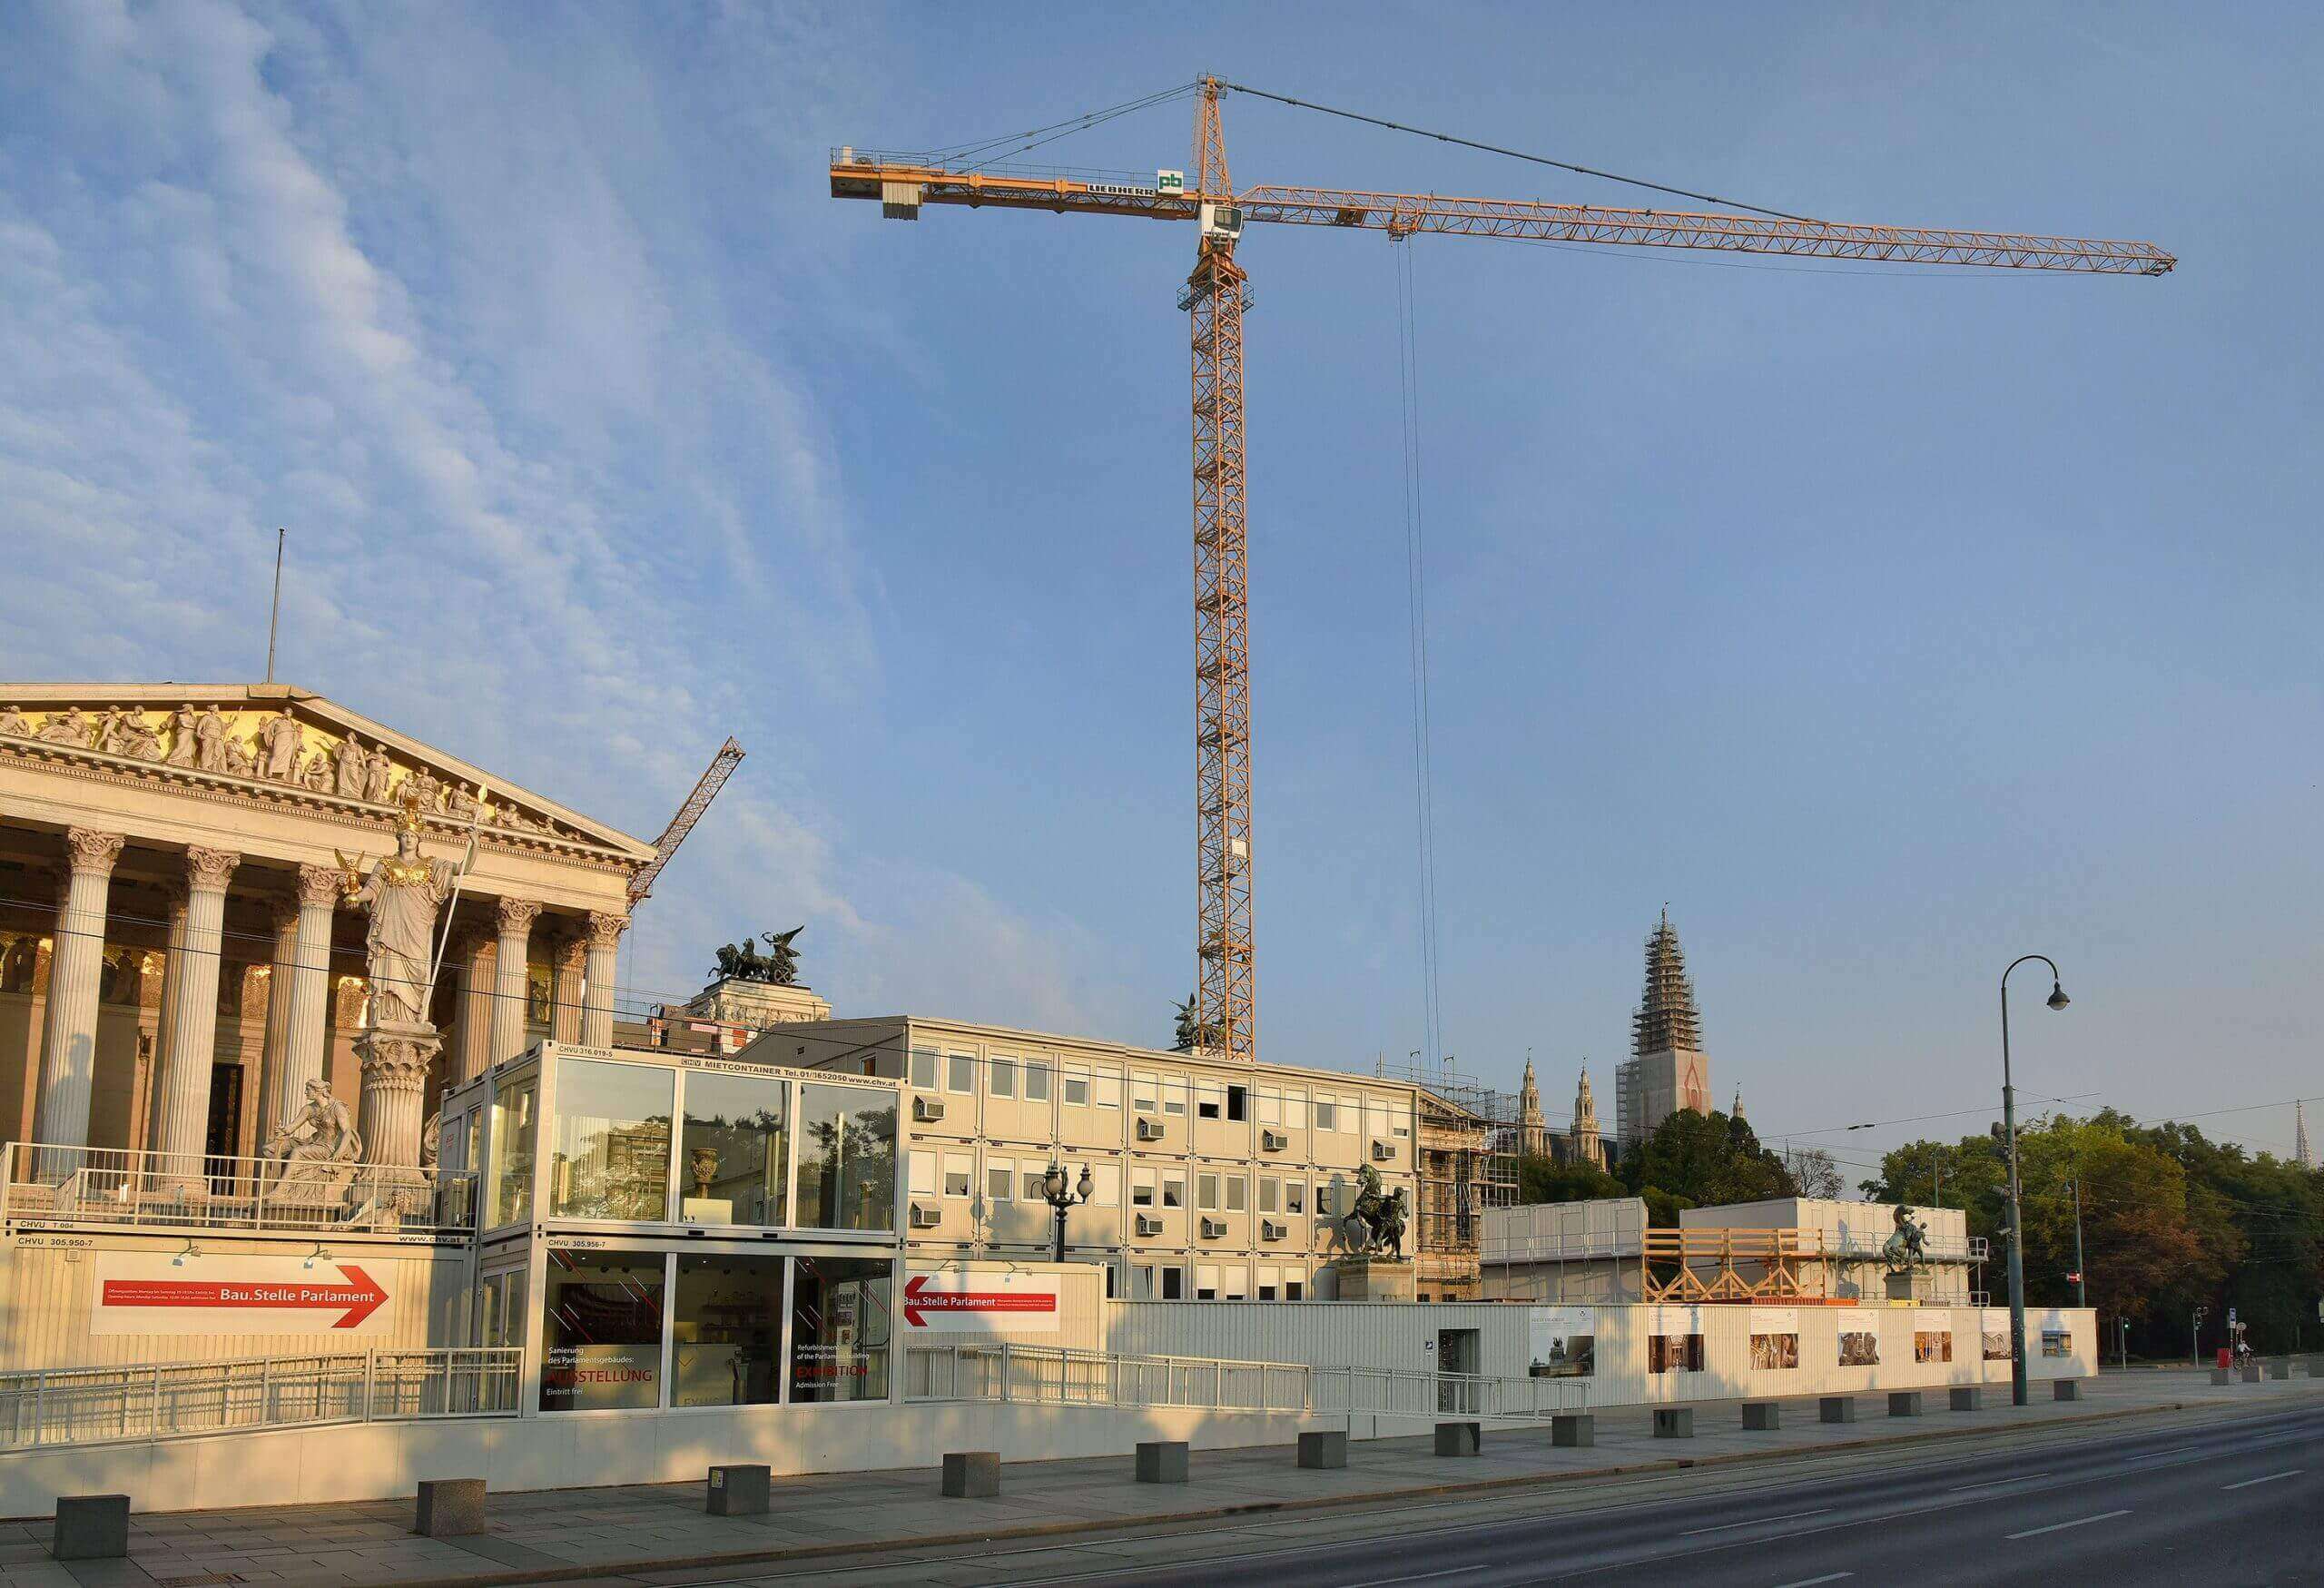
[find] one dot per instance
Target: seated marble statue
(319, 1149)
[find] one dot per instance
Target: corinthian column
(75, 973)
(172, 967)
(515, 918)
(307, 1007)
(394, 1074)
(564, 992)
(477, 959)
(597, 970)
(278, 1014)
(182, 1112)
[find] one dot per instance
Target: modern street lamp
(1062, 1198)
(2057, 1000)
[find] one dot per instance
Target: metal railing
(1006, 1372)
(46, 1407)
(173, 1191)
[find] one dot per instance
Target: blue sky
(1886, 623)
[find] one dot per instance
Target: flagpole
(476, 819)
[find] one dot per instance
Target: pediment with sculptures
(280, 749)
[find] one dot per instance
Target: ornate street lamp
(2057, 1000)
(1061, 1199)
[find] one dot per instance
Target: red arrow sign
(360, 1295)
(918, 1300)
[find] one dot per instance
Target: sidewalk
(576, 1534)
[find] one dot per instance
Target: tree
(1706, 1158)
(1815, 1171)
(1546, 1179)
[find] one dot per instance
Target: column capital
(515, 916)
(89, 850)
(284, 912)
(605, 927)
(572, 948)
(209, 868)
(319, 884)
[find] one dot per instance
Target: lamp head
(2058, 998)
(1053, 1183)
(1085, 1187)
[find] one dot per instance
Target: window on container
(1106, 1087)
(1234, 1283)
(1294, 1110)
(923, 1069)
(1294, 1288)
(1037, 1080)
(1142, 1092)
(1000, 1179)
(610, 1152)
(1077, 1087)
(1206, 1282)
(960, 1174)
(1173, 1284)
(847, 1158)
(1238, 1102)
(1141, 1188)
(1000, 1077)
(1327, 1115)
(601, 1331)
(1295, 1196)
(1210, 1100)
(920, 1176)
(731, 1167)
(514, 1125)
(1174, 1096)
(1141, 1282)
(1270, 1195)
(1270, 1107)
(960, 1072)
(1207, 1192)
(1110, 1272)
(1239, 1193)
(1105, 1185)
(1268, 1285)
(1174, 1190)
(727, 1331)
(1322, 1199)
(839, 1330)
(1035, 1182)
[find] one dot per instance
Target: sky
(1884, 624)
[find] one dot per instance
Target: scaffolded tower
(1667, 1069)
(2300, 1134)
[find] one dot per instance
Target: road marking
(2151, 1455)
(2271, 1478)
(2062, 1526)
(1811, 1582)
(1758, 1521)
(2024, 1477)
(1422, 1577)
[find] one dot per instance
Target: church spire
(1666, 1018)
(1738, 1104)
(2300, 1134)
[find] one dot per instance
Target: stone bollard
(2280, 1369)
(739, 1490)
(1162, 1461)
(1459, 1438)
(1836, 1409)
(2221, 1375)
(1573, 1430)
(1904, 1403)
(1761, 1416)
(2316, 1367)
(1674, 1422)
(2065, 1389)
(1965, 1397)
(91, 1527)
(1324, 1449)
(972, 1474)
(2250, 1373)
(450, 1507)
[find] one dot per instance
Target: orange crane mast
(1214, 297)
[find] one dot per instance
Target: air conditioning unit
(924, 1217)
(927, 1110)
(1148, 1129)
(1271, 1230)
(1148, 1225)
(1382, 1152)
(1272, 1141)
(1213, 1228)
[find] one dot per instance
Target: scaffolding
(1464, 1163)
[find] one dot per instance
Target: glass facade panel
(726, 1330)
(731, 1163)
(611, 1141)
(839, 1328)
(847, 1158)
(601, 1334)
(515, 1123)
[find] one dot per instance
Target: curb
(605, 1570)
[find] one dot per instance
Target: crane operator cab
(1222, 221)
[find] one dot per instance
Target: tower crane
(1216, 293)
(706, 789)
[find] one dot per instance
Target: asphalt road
(2212, 1500)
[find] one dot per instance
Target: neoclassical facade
(185, 940)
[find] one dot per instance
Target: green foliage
(1698, 1159)
(1545, 1179)
(2171, 1220)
